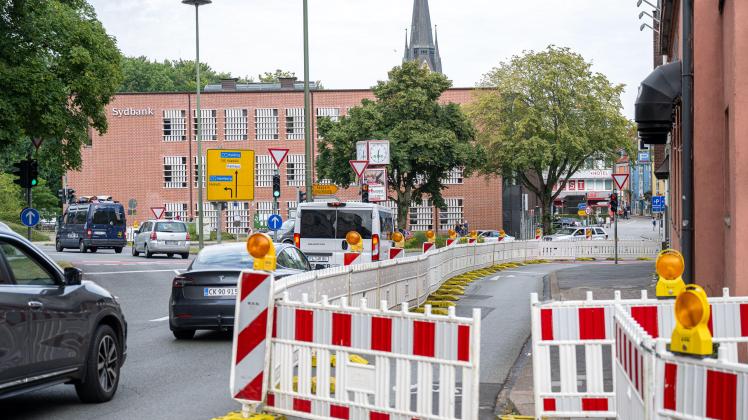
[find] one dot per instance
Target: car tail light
(188, 236)
(375, 247)
(153, 236)
(89, 233)
(180, 281)
(297, 240)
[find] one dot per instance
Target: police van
(321, 228)
(91, 224)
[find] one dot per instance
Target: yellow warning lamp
(261, 248)
(473, 234)
(354, 241)
(452, 234)
(502, 234)
(399, 239)
(135, 224)
(691, 335)
(430, 237)
(669, 266)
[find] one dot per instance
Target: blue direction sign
(582, 206)
(29, 216)
(275, 222)
(658, 203)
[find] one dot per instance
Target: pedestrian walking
(654, 223)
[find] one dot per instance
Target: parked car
(91, 226)
(493, 236)
(285, 233)
(204, 296)
(54, 327)
(170, 237)
(577, 234)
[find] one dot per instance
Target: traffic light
(21, 173)
(276, 186)
(614, 202)
(301, 196)
(71, 195)
(33, 173)
(365, 193)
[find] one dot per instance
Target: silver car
(168, 237)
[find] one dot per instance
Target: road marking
(495, 278)
(96, 273)
(165, 318)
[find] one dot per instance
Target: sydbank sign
(132, 112)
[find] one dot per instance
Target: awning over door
(653, 110)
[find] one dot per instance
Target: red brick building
(149, 154)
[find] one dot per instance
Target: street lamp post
(198, 135)
(307, 111)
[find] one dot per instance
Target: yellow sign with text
(324, 189)
(230, 175)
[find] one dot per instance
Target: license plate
(172, 242)
(219, 291)
(99, 233)
(318, 258)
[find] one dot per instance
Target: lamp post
(198, 115)
(307, 111)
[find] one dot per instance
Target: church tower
(424, 46)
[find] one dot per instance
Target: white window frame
(175, 172)
(235, 124)
(176, 120)
(210, 218)
(295, 123)
(295, 168)
(208, 124)
(263, 209)
(194, 167)
(455, 176)
(266, 124)
(176, 209)
(243, 209)
(291, 207)
(392, 205)
(453, 214)
(332, 113)
(423, 214)
(264, 168)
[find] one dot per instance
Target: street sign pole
(275, 209)
(28, 202)
(615, 230)
(219, 228)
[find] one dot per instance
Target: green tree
(144, 75)
(543, 114)
(58, 69)
(427, 139)
(273, 77)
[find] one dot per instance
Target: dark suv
(55, 328)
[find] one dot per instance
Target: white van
(321, 227)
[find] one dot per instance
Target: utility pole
(307, 111)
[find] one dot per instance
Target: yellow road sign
(581, 213)
(230, 175)
(324, 189)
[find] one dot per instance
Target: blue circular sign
(29, 217)
(582, 206)
(275, 222)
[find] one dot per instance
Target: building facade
(149, 154)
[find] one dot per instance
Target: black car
(55, 328)
(204, 296)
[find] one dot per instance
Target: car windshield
(171, 227)
(233, 256)
(105, 215)
(565, 231)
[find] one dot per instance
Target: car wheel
(135, 252)
(58, 246)
(93, 249)
(118, 249)
(102, 368)
(183, 334)
(170, 255)
(82, 247)
(147, 253)
(185, 256)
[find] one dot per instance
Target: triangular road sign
(620, 180)
(359, 166)
(278, 155)
(158, 212)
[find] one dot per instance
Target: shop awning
(663, 171)
(653, 110)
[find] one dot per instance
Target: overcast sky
(353, 43)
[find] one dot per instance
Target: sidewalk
(573, 284)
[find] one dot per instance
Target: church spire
(406, 51)
(422, 46)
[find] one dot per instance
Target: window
(291, 209)
(421, 216)
(332, 224)
(451, 214)
(235, 127)
(264, 210)
(172, 227)
(24, 268)
(580, 185)
(175, 172)
(295, 170)
(264, 167)
(175, 126)
(386, 223)
(176, 211)
(207, 122)
(266, 124)
(108, 215)
(454, 176)
(195, 177)
(294, 123)
(291, 258)
(392, 205)
(608, 184)
(210, 218)
(238, 217)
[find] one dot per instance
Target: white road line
(96, 273)
(165, 318)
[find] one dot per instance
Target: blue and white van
(91, 226)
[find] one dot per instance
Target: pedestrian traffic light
(276, 186)
(365, 193)
(614, 202)
(691, 335)
(301, 197)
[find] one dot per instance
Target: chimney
(287, 82)
(228, 85)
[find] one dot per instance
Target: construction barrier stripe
(744, 320)
(350, 257)
(251, 336)
(592, 323)
(253, 390)
(463, 343)
(341, 329)
(546, 324)
(381, 334)
(423, 340)
(594, 404)
(646, 316)
(721, 395)
(671, 376)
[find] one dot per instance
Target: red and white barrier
(427, 246)
(252, 327)
(350, 258)
(426, 353)
(397, 253)
(452, 241)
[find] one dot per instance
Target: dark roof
(259, 87)
(422, 46)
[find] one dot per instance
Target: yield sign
(359, 166)
(278, 155)
(620, 180)
(158, 211)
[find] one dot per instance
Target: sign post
(620, 181)
(158, 212)
(278, 155)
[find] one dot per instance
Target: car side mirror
(73, 276)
